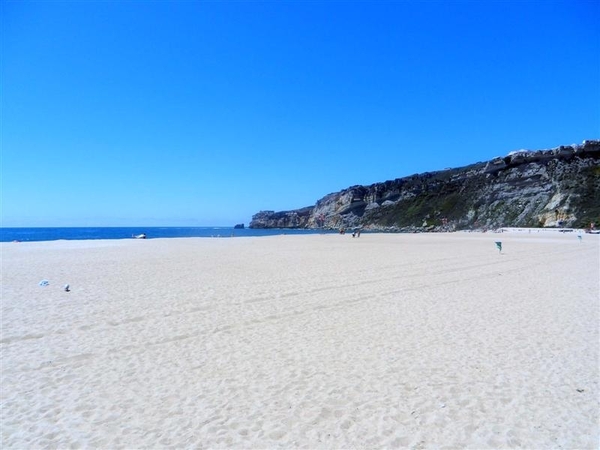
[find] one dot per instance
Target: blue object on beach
(44, 283)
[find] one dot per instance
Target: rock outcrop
(545, 188)
(298, 218)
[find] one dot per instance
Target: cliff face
(285, 219)
(546, 188)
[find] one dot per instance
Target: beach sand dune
(319, 341)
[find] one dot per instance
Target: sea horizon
(37, 234)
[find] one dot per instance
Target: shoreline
(293, 231)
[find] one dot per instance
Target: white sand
(322, 341)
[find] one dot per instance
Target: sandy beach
(316, 342)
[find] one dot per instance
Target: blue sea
(53, 234)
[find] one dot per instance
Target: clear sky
(194, 113)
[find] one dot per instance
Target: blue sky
(204, 113)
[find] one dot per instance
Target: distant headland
(559, 187)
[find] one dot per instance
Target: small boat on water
(140, 236)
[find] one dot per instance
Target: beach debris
(44, 283)
(499, 246)
(67, 288)
(580, 390)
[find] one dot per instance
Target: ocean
(82, 233)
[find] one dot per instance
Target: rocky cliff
(545, 188)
